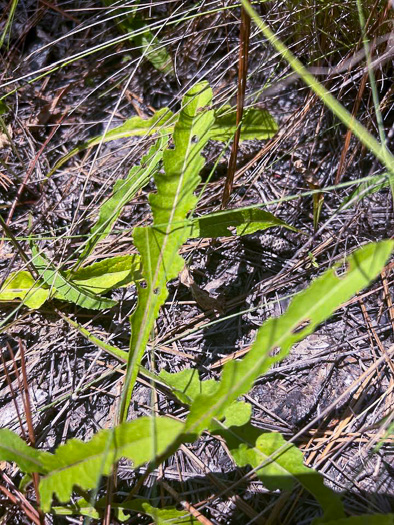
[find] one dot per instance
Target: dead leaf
(202, 297)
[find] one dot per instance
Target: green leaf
(83, 464)
(107, 274)
(22, 285)
(307, 310)
(97, 278)
(13, 448)
(65, 289)
(186, 385)
(281, 465)
(159, 244)
(163, 516)
(246, 221)
(151, 47)
(162, 120)
(123, 193)
(256, 124)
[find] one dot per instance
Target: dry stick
(13, 394)
(29, 420)
(243, 69)
(30, 511)
(187, 506)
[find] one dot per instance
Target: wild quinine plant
(175, 162)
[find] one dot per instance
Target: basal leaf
(159, 244)
(280, 470)
(162, 120)
(22, 285)
(256, 124)
(107, 274)
(246, 221)
(124, 191)
(14, 449)
(307, 310)
(65, 289)
(83, 464)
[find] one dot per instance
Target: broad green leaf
(162, 120)
(281, 465)
(246, 221)
(65, 289)
(256, 124)
(159, 244)
(237, 414)
(83, 464)
(186, 385)
(22, 285)
(124, 191)
(107, 274)
(14, 449)
(307, 310)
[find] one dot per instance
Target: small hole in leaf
(195, 139)
(301, 326)
(143, 284)
(156, 291)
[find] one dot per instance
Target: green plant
(214, 406)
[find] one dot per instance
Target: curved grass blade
(380, 150)
(159, 245)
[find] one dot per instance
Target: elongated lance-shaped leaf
(124, 191)
(162, 120)
(256, 124)
(57, 280)
(246, 221)
(307, 310)
(159, 245)
(82, 464)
